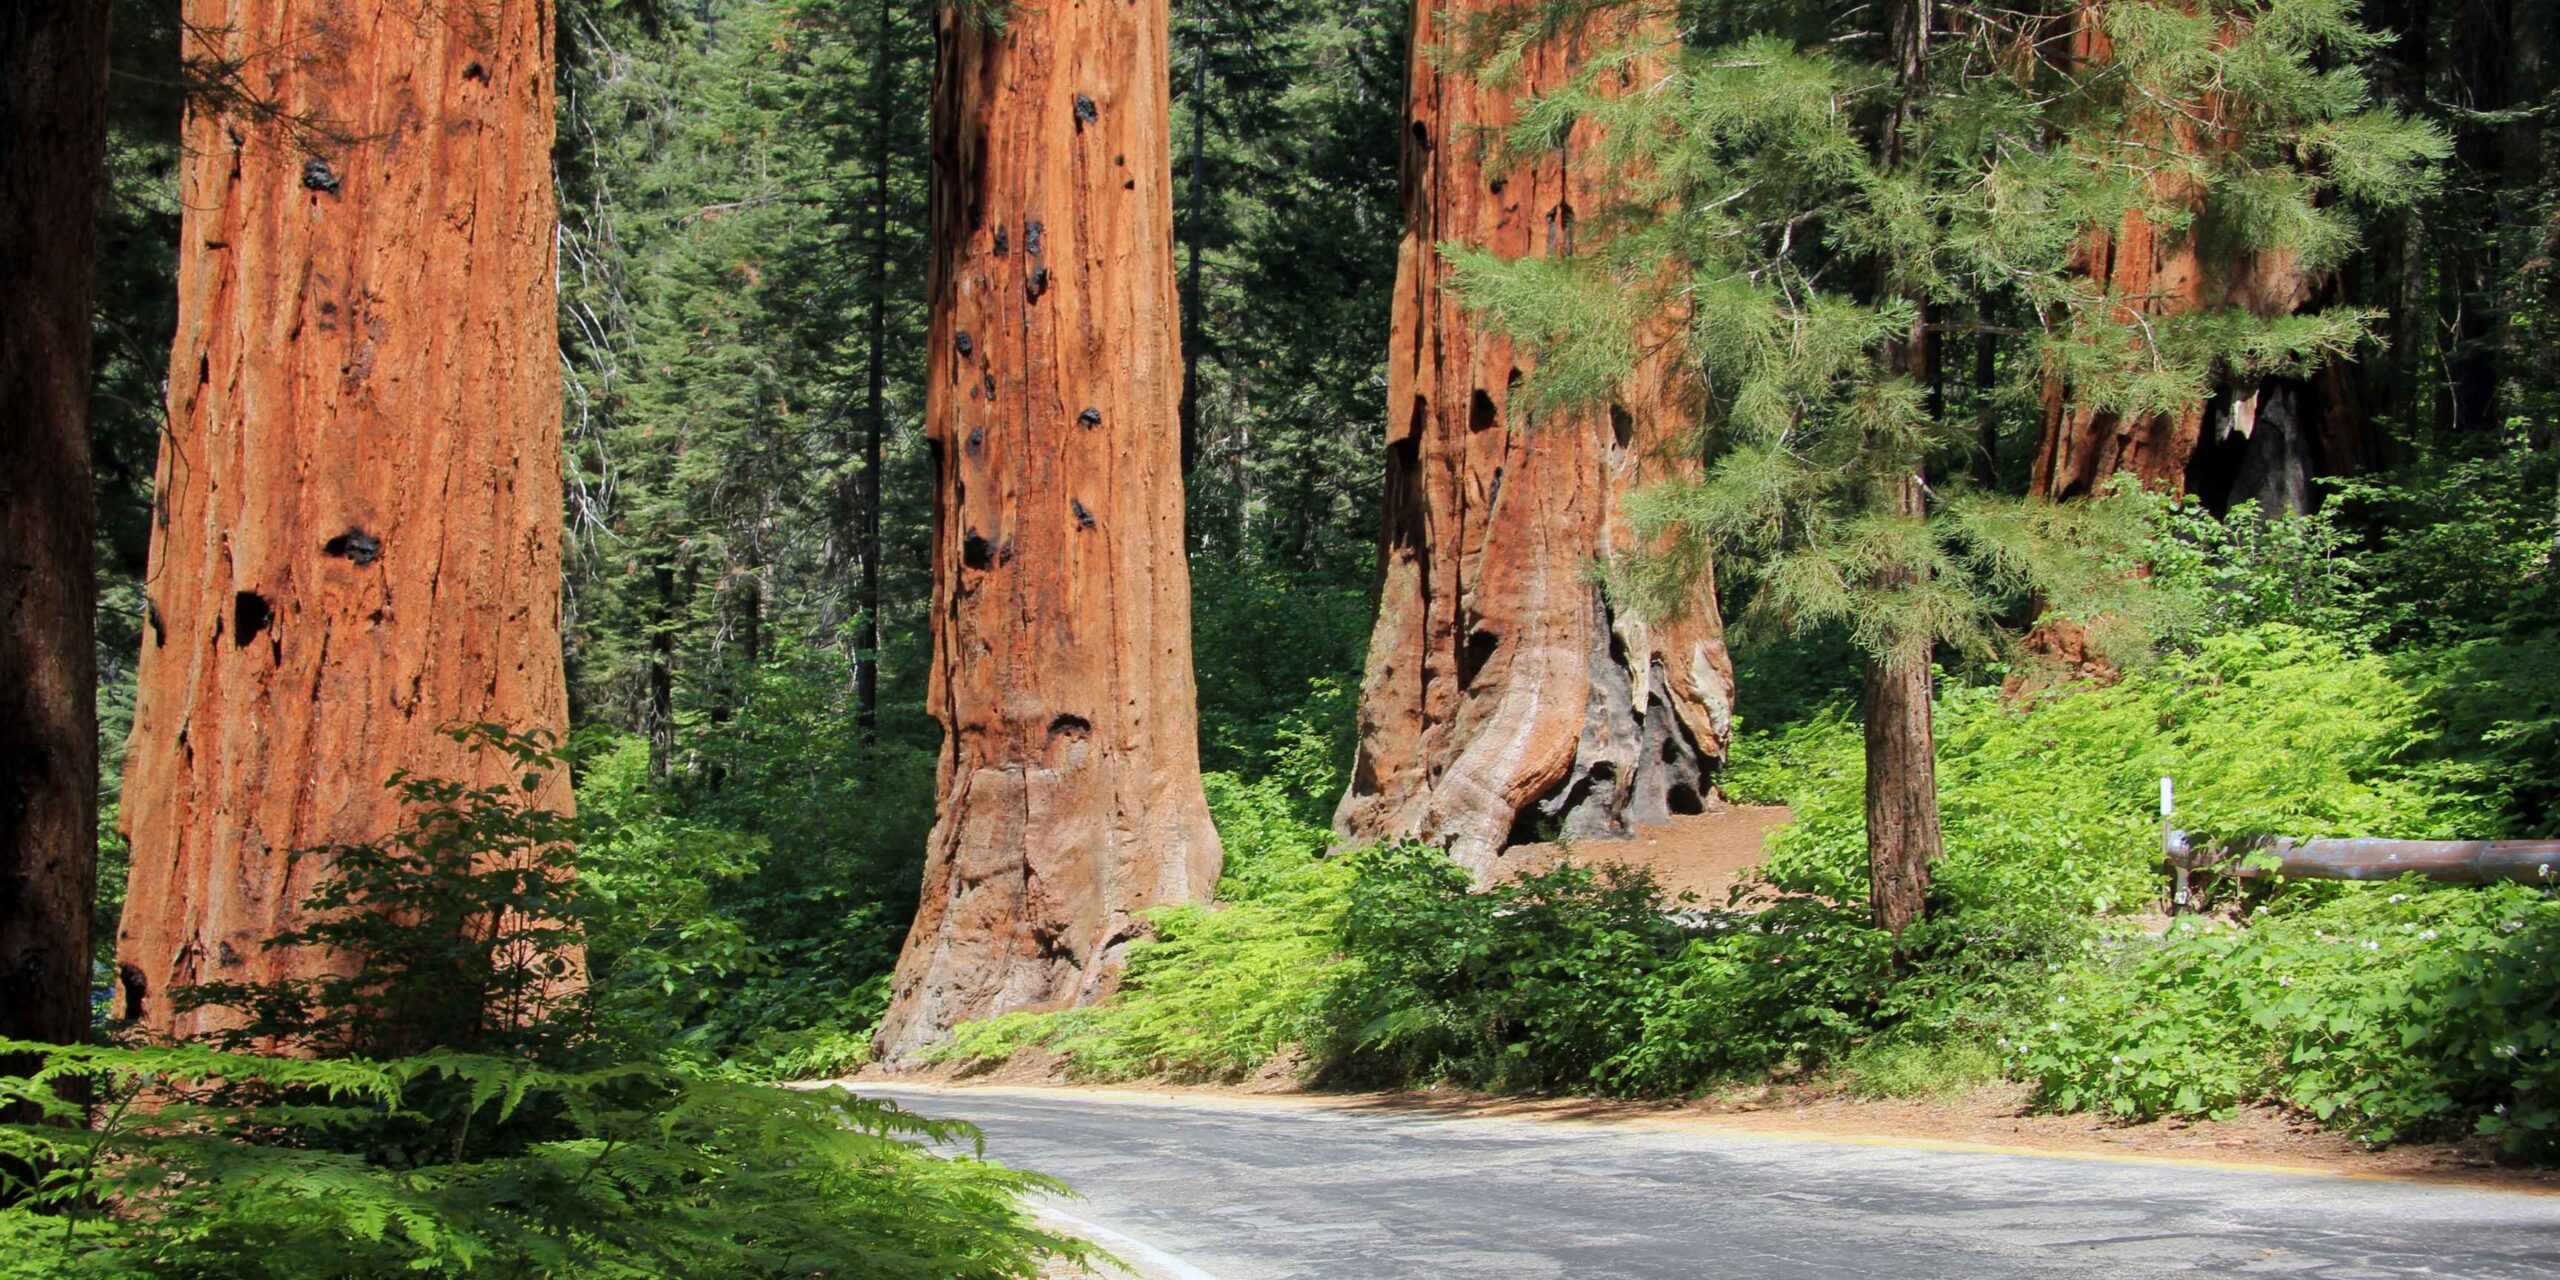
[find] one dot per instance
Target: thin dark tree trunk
(866, 659)
(662, 673)
(2484, 47)
(53, 77)
(1192, 233)
(1902, 777)
(1986, 376)
(1902, 789)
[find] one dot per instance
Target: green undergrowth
(447, 1098)
(2388, 1010)
(2392, 1011)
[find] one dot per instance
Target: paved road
(1239, 1191)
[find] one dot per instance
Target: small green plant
(461, 931)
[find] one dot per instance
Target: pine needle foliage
(1825, 197)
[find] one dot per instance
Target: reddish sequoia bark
(2148, 272)
(358, 536)
(53, 80)
(1504, 691)
(1070, 775)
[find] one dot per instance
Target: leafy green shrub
(2394, 1011)
(2459, 544)
(2247, 569)
(1535, 983)
(842, 817)
(1790, 987)
(1270, 648)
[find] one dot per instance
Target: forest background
(742, 266)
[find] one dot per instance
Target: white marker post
(2169, 846)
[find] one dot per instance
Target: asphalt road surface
(1211, 1189)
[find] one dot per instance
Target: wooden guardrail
(2360, 858)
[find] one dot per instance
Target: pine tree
(1836, 209)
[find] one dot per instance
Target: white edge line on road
(1154, 1263)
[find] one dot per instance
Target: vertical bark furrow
(1071, 800)
(363, 461)
(1506, 695)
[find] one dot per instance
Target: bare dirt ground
(1703, 855)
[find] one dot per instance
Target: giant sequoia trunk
(1070, 775)
(2149, 271)
(1506, 695)
(358, 537)
(53, 79)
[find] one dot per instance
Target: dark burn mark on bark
(250, 614)
(1086, 112)
(977, 439)
(976, 552)
(1031, 237)
(1478, 651)
(318, 176)
(1036, 283)
(1072, 727)
(136, 989)
(476, 72)
(159, 630)
(1001, 244)
(1089, 419)
(1084, 518)
(964, 343)
(354, 546)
